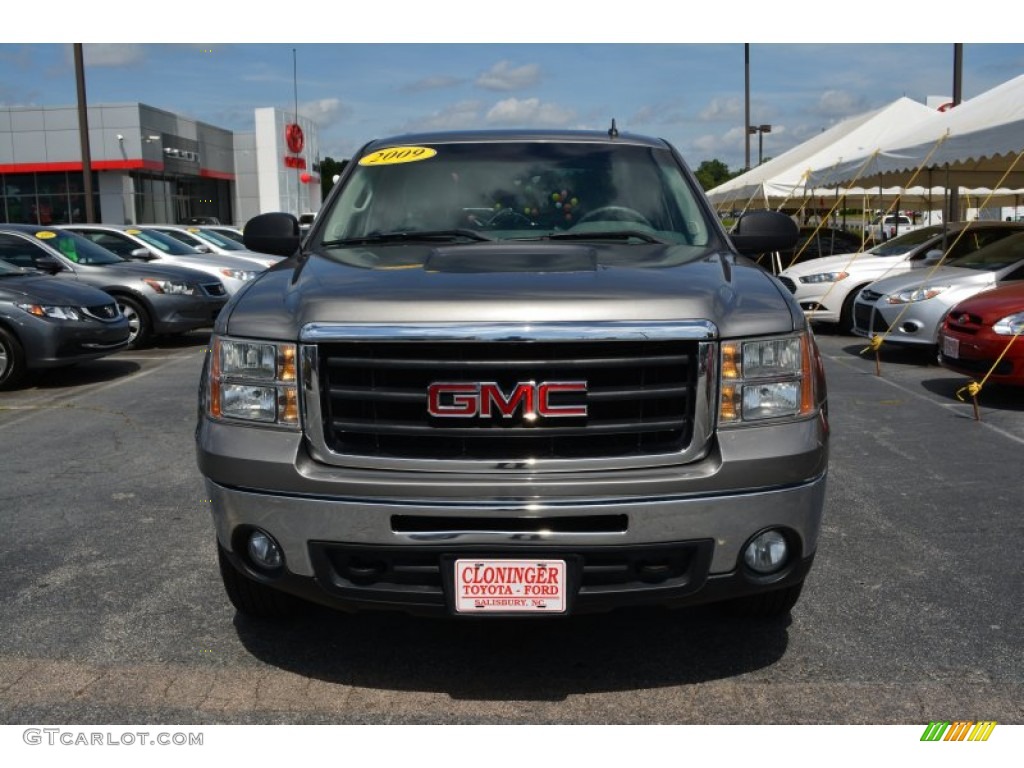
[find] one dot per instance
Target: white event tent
(974, 145)
(785, 180)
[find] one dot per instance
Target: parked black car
(49, 323)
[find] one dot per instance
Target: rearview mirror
(48, 264)
(763, 232)
(273, 233)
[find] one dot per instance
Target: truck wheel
(252, 598)
(766, 605)
(12, 360)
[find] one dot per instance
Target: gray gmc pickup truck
(514, 374)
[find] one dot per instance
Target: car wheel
(12, 360)
(253, 599)
(766, 605)
(846, 313)
(140, 328)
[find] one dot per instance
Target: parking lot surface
(114, 611)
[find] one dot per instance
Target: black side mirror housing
(763, 232)
(273, 233)
(47, 264)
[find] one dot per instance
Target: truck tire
(766, 605)
(12, 360)
(253, 599)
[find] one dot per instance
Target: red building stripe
(207, 173)
(97, 165)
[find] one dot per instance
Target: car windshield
(1003, 253)
(482, 191)
(217, 239)
(163, 242)
(897, 246)
(78, 249)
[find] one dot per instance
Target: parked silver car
(156, 299)
(134, 242)
(206, 240)
(912, 307)
(827, 287)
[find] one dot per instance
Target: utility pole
(958, 68)
(746, 106)
(83, 134)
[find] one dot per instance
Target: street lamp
(760, 130)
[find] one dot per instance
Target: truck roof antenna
(613, 132)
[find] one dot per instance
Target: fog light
(264, 551)
(766, 553)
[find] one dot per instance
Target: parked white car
(826, 288)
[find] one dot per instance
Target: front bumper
(51, 343)
(979, 354)
(361, 553)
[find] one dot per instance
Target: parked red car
(977, 331)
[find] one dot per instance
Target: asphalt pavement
(113, 611)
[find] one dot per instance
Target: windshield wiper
(619, 234)
(428, 235)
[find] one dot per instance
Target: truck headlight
(253, 381)
(1011, 325)
(768, 379)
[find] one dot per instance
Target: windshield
(80, 249)
(517, 191)
(217, 239)
(163, 242)
(900, 245)
(1004, 253)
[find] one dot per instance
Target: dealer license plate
(950, 347)
(510, 586)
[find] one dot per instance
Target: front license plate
(950, 347)
(510, 586)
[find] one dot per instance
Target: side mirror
(48, 264)
(273, 233)
(930, 257)
(140, 254)
(202, 248)
(763, 232)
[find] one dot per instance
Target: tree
(329, 168)
(711, 173)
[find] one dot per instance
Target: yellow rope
(974, 388)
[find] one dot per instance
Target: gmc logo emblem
(465, 400)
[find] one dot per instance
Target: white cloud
(504, 77)
(529, 112)
(324, 112)
(723, 109)
(839, 104)
(464, 114)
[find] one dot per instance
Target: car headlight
(767, 379)
(239, 274)
(176, 287)
(252, 381)
(1011, 325)
(912, 295)
(825, 277)
(53, 311)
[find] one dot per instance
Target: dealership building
(153, 166)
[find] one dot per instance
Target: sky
(459, 65)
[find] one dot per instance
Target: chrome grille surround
(699, 334)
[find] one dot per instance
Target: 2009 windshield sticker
(45, 235)
(396, 155)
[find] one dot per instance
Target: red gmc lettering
(467, 400)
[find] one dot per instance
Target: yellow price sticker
(396, 155)
(45, 235)
(134, 231)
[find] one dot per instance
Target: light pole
(760, 130)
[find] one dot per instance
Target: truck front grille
(640, 398)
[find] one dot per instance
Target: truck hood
(512, 282)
